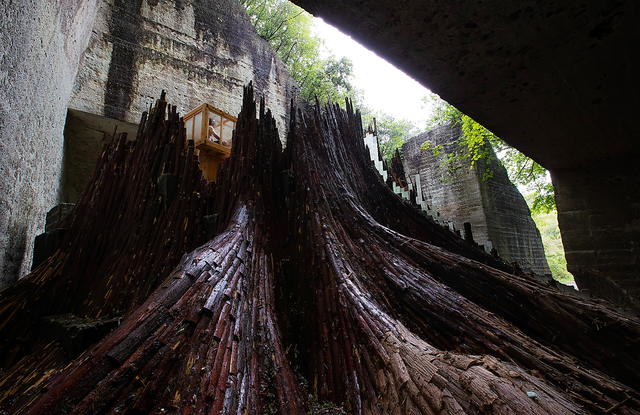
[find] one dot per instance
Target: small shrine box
(212, 132)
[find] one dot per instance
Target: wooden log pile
(321, 286)
(122, 240)
(394, 282)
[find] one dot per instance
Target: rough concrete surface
(499, 215)
(604, 255)
(85, 136)
(40, 49)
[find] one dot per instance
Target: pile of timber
(320, 286)
(140, 213)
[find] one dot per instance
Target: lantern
(212, 132)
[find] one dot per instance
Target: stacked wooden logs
(123, 239)
(370, 284)
(322, 282)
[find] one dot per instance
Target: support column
(599, 218)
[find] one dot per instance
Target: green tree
(476, 142)
(289, 30)
(525, 172)
(547, 224)
(328, 79)
(392, 133)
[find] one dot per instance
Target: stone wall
(203, 51)
(604, 255)
(40, 50)
(499, 215)
(458, 200)
(85, 136)
(130, 51)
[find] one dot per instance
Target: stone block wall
(499, 215)
(41, 46)
(203, 51)
(107, 61)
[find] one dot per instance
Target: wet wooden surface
(321, 285)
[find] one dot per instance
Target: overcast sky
(385, 88)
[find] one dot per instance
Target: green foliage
(535, 178)
(472, 146)
(476, 141)
(547, 224)
(328, 79)
(289, 30)
(284, 25)
(475, 144)
(435, 149)
(392, 133)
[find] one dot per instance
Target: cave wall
(198, 52)
(40, 49)
(499, 215)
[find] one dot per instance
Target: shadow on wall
(14, 253)
(16, 245)
(84, 137)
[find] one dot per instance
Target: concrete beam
(557, 78)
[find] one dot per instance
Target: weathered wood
(323, 284)
(120, 242)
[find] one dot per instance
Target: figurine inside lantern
(212, 132)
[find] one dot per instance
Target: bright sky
(385, 88)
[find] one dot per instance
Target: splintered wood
(322, 292)
(123, 239)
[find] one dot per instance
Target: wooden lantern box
(212, 132)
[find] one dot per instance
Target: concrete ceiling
(558, 79)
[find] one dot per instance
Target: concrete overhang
(557, 79)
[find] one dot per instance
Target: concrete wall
(509, 224)
(458, 199)
(203, 51)
(499, 215)
(40, 49)
(598, 215)
(85, 135)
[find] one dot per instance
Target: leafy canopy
(392, 133)
(475, 144)
(289, 30)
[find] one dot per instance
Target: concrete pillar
(598, 211)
